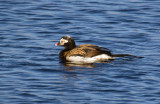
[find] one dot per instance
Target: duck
(85, 53)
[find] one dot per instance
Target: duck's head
(67, 42)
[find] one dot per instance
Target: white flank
(99, 58)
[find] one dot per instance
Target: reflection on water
(68, 64)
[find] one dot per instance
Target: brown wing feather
(87, 45)
(86, 50)
(96, 50)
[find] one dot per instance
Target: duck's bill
(57, 44)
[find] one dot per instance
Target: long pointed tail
(125, 55)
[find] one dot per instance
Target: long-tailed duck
(86, 53)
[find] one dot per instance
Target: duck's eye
(63, 41)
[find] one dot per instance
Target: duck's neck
(70, 46)
(62, 54)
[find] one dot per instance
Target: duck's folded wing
(87, 51)
(87, 45)
(79, 51)
(99, 50)
(94, 47)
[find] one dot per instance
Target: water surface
(30, 72)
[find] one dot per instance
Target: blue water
(30, 71)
